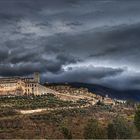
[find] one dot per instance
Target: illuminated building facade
(22, 86)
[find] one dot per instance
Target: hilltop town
(72, 93)
(21, 86)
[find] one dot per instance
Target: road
(51, 109)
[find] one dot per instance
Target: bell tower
(37, 77)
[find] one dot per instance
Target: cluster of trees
(137, 118)
(118, 128)
(33, 102)
(11, 123)
(4, 112)
(93, 130)
(66, 132)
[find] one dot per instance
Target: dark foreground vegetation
(96, 122)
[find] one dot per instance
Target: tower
(37, 77)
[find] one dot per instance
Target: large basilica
(22, 86)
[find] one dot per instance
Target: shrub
(93, 130)
(66, 132)
(137, 119)
(119, 129)
(7, 112)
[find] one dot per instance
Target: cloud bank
(72, 40)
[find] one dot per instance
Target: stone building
(22, 86)
(108, 101)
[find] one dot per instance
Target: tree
(100, 103)
(111, 131)
(93, 130)
(137, 118)
(66, 132)
(130, 103)
(119, 129)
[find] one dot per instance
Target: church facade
(22, 86)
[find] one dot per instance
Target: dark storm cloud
(135, 80)
(85, 74)
(119, 40)
(3, 55)
(65, 39)
(65, 58)
(19, 70)
(128, 79)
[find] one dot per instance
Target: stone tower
(37, 77)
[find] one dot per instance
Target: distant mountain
(113, 93)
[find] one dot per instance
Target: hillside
(101, 90)
(57, 120)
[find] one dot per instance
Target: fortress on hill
(18, 86)
(22, 86)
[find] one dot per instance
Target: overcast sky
(90, 41)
